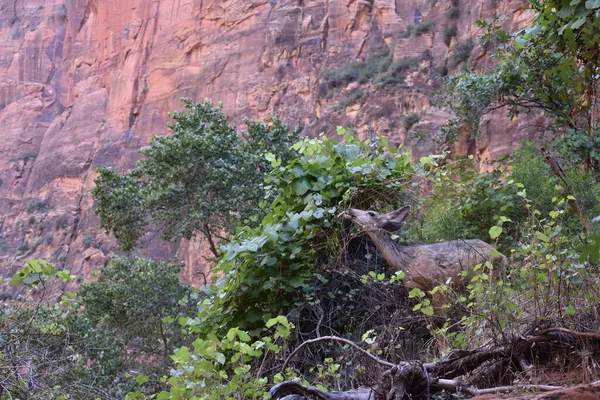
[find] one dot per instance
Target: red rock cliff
(86, 83)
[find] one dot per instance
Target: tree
(551, 66)
(132, 297)
(205, 177)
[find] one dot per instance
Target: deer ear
(395, 219)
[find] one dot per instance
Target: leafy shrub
(89, 241)
(453, 13)
(134, 297)
(37, 242)
(4, 246)
(61, 222)
(411, 119)
(361, 72)
(36, 205)
(379, 69)
(268, 269)
(450, 31)
(352, 98)
(65, 354)
(465, 204)
(24, 157)
(394, 74)
(461, 53)
(418, 30)
(580, 147)
(62, 257)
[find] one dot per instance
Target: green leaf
(18, 277)
(32, 278)
(300, 186)
(592, 4)
(220, 357)
(269, 261)
(244, 337)
(542, 237)
(577, 24)
(565, 12)
(181, 355)
(231, 334)
(495, 231)
(141, 379)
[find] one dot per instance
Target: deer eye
(371, 213)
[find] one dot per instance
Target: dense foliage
(101, 343)
(271, 268)
(203, 178)
(551, 66)
(296, 273)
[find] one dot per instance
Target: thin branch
(582, 335)
(341, 340)
(456, 386)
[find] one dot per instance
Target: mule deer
(426, 265)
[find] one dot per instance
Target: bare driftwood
(413, 379)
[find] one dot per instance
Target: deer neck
(397, 256)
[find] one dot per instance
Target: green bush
(354, 97)
(36, 205)
(418, 30)
(450, 31)
(269, 269)
(453, 13)
(378, 69)
(90, 241)
(134, 296)
(461, 53)
(361, 72)
(410, 120)
(61, 222)
(24, 157)
(394, 74)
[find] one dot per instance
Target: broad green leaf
(244, 337)
(18, 277)
(495, 231)
(565, 12)
(592, 4)
(181, 355)
(542, 237)
(300, 186)
(220, 357)
(141, 379)
(577, 24)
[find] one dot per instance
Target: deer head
(371, 220)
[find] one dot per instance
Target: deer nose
(348, 214)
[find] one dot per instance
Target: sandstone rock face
(86, 83)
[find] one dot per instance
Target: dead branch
(291, 390)
(413, 379)
(336, 339)
(580, 335)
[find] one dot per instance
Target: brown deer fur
(426, 265)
